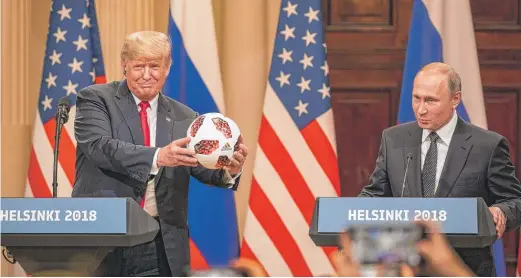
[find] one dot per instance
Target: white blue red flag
(296, 158)
(442, 31)
(73, 60)
(195, 79)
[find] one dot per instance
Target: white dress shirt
(150, 205)
(445, 133)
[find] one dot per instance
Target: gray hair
(453, 78)
(453, 81)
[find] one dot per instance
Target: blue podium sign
(63, 216)
(454, 215)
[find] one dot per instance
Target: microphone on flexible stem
(61, 117)
(409, 158)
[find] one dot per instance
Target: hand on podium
(499, 220)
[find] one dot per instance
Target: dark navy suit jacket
(111, 160)
(478, 164)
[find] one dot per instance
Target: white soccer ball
(214, 138)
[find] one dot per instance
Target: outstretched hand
(176, 154)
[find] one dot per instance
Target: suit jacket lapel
(457, 155)
(164, 128)
(128, 107)
(413, 146)
(165, 123)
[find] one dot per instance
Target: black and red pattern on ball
(222, 161)
(196, 125)
(239, 141)
(206, 147)
(222, 126)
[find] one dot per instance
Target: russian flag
(442, 31)
(195, 79)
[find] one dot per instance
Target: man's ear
(456, 99)
(124, 67)
(168, 68)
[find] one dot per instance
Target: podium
(466, 222)
(70, 236)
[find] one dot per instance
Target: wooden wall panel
(355, 110)
(502, 108)
(363, 12)
(367, 40)
(489, 15)
(498, 38)
(502, 114)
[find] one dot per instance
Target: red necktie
(146, 132)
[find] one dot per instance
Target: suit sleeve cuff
(508, 216)
(229, 179)
(154, 170)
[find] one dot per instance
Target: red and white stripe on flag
(73, 60)
(296, 159)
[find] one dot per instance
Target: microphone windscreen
(65, 102)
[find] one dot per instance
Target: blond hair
(453, 78)
(147, 44)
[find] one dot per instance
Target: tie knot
(434, 137)
(144, 105)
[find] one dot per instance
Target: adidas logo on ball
(226, 147)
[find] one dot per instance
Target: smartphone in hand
(390, 244)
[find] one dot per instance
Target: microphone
(64, 106)
(62, 116)
(409, 158)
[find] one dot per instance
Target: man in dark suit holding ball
(131, 142)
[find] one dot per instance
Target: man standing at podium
(448, 157)
(131, 143)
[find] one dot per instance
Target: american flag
(72, 61)
(296, 157)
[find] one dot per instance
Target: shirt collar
(153, 102)
(445, 133)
